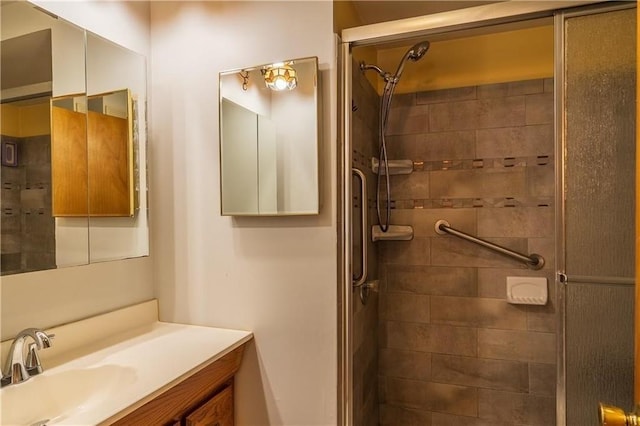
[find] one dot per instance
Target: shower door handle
(610, 415)
(357, 282)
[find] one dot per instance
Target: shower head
(418, 50)
(416, 53)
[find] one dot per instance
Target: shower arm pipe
(533, 261)
(358, 282)
(385, 75)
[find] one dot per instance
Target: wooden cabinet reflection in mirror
(92, 155)
(69, 156)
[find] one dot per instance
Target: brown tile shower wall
(365, 316)
(28, 227)
(452, 351)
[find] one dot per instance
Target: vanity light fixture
(280, 76)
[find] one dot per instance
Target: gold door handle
(610, 415)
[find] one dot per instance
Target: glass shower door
(597, 259)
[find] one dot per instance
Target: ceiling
(374, 11)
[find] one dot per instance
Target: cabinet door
(69, 162)
(110, 166)
(218, 411)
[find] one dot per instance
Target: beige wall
(48, 298)
(273, 276)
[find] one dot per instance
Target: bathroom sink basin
(50, 396)
(101, 382)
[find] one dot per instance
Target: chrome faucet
(19, 368)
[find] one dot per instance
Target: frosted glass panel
(600, 98)
(600, 137)
(599, 351)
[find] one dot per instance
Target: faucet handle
(43, 340)
(47, 340)
(32, 363)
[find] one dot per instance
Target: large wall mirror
(269, 139)
(73, 133)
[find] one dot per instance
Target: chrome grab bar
(533, 261)
(357, 282)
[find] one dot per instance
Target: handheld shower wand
(414, 54)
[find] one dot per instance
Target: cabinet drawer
(218, 411)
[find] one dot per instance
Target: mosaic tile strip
(359, 159)
(482, 163)
(34, 211)
(37, 185)
(465, 203)
(10, 186)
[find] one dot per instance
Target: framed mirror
(67, 199)
(269, 139)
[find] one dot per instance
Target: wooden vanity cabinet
(217, 411)
(203, 399)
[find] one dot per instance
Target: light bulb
(280, 83)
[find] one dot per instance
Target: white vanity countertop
(107, 384)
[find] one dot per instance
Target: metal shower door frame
(561, 280)
(368, 35)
